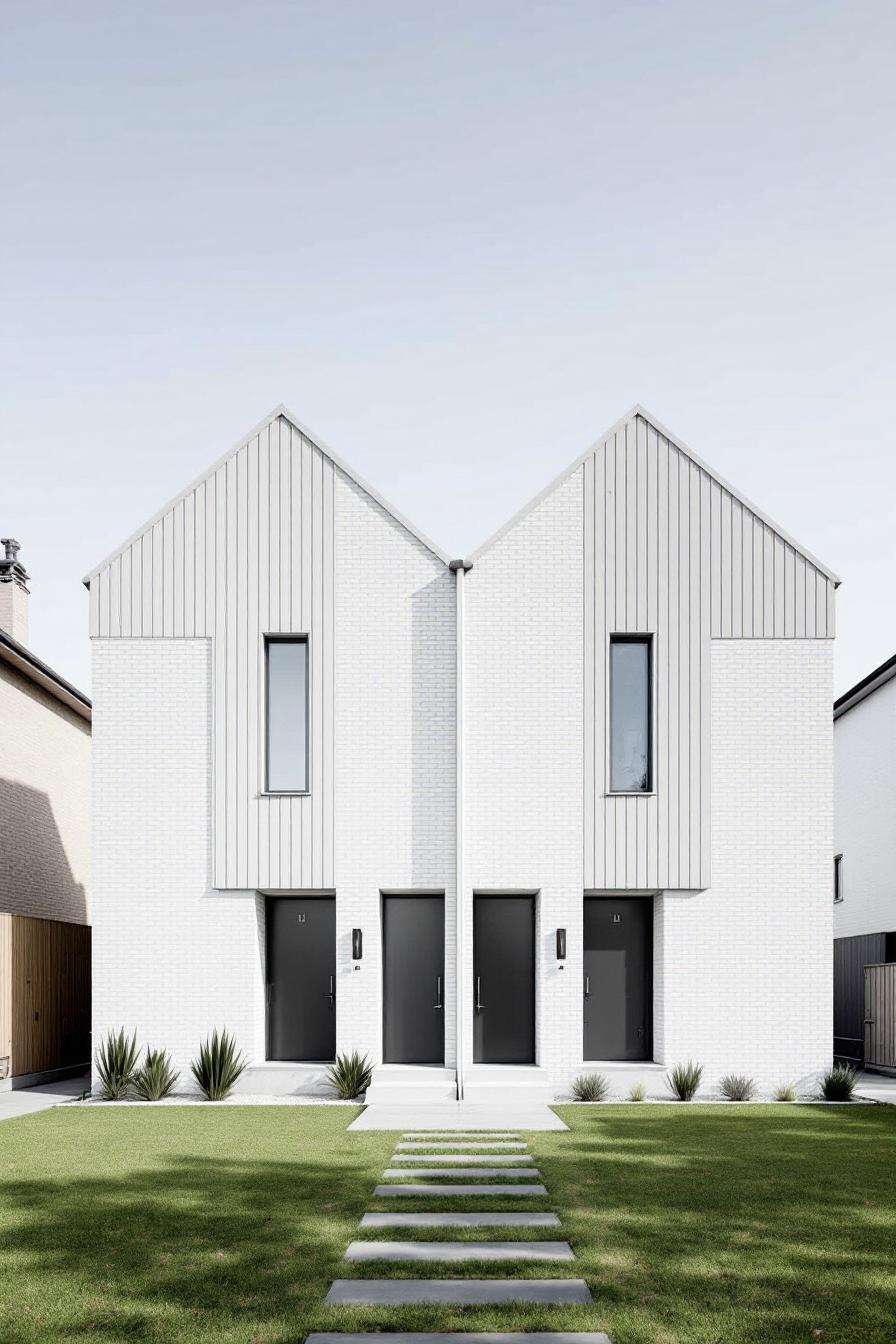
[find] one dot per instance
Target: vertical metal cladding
(670, 551)
(247, 552)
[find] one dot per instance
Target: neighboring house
(609, 731)
(865, 865)
(44, 851)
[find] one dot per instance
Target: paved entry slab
(458, 1173)
(460, 1220)
(456, 1191)
(470, 1159)
(464, 1337)
(454, 1292)
(460, 1115)
(364, 1251)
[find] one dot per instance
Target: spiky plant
(155, 1077)
(786, 1092)
(684, 1080)
(591, 1087)
(350, 1075)
(737, 1087)
(638, 1092)
(217, 1066)
(839, 1083)
(116, 1061)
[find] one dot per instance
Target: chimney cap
(11, 567)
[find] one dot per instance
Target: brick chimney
(13, 592)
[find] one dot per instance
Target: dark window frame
(631, 637)
(838, 879)
(286, 638)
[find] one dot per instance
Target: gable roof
(35, 670)
(278, 412)
(636, 412)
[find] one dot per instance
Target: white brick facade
(741, 977)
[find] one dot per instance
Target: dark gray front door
(301, 973)
(504, 979)
(617, 966)
(414, 979)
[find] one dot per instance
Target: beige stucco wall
(44, 804)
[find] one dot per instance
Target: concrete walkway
(446, 1290)
(28, 1100)
(458, 1116)
(876, 1087)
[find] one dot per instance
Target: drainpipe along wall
(459, 568)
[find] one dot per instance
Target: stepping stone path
(452, 1179)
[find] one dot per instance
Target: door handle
(587, 986)
(479, 994)
(438, 1002)
(331, 992)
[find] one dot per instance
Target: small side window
(838, 878)
(631, 764)
(286, 677)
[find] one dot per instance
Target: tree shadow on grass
(742, 1224)
(189, 1246)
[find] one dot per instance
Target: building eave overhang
(867, 686)
(24, 662)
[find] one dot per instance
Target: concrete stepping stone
(470, 1159)
(428, 1134)
(454, 1292)
(460, 1220)
(400, 1251)
(463, 1337)
(458, 1173)
(442, 1143)
(456, 1191)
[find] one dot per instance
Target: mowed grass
(717, 1225)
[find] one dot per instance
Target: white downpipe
(460, 998)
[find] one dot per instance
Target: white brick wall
(44, 803)
(395, 701)
(171, 957)
(523, 749)
(744, 969)
(865, 814)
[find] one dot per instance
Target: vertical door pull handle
(587, 986)
(479, 994)
(331, 993)
(438, 1002)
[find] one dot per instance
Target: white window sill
(284, 793)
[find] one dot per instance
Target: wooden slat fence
(44, 995)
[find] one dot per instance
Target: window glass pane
(629, 715)
(287, 664)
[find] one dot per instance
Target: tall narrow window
(286, 672)
(631, 766)
(838, 878)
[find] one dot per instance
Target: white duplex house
(563, 805)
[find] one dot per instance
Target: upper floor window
(838, 877)
(631, 764)
(286, 684)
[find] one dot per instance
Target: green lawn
(717, 1225)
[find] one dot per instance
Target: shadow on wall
(35, 876)
(433, 708)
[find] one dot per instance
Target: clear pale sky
(459, 240)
